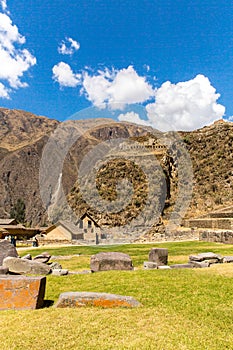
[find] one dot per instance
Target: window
(89, 224)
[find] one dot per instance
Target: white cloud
(133, 117)
(68, 46)
(14, 62)
(4, 93)
(3, 4)
(116, 88)
(185, 106)
(63, 74)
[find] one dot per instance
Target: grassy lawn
(181, 309)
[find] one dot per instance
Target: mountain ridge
(24, 135)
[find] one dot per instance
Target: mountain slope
(211, 151)
(23, 137)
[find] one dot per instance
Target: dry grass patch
(109, 329)
(190, 309)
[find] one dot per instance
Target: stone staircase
(214, 227)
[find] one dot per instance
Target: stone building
(86, 230)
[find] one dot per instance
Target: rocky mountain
(23, 137)
(211, 151)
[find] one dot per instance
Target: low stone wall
(221, 236)
(180, 234)
(214, 223)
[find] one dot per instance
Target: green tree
(18, 211)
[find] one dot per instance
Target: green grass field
(181, 309)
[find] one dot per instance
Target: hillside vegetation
(22, 140)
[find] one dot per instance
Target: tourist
(35, 242)
(13, 241)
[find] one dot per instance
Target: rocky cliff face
(23, 137)
(211, 151)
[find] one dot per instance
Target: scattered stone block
(60, 272)
(21, 292)
(150, 265)
(84, 272)
(23, 266)
(7, 249)
(55, 266)
(43, 258)
(206, 256)
(104, 300)
(181, 266)
(159, 256)
(164, 267)
(111, 261)
(200, 264)
(4, 270)
(227, 259)
(27, 257)
(213, 261)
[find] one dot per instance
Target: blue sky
(168, 56)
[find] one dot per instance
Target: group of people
(12, 239)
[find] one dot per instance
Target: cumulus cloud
(116, 88)
(185, 106)
(14, 61)
(132, 117)
(68, 46)
(63, 74)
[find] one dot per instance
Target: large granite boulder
(78, 299)
(24, 266)
(21, 292)
(111, 261)
(159, 256)
(7, 249)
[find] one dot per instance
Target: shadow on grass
(48, 303)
